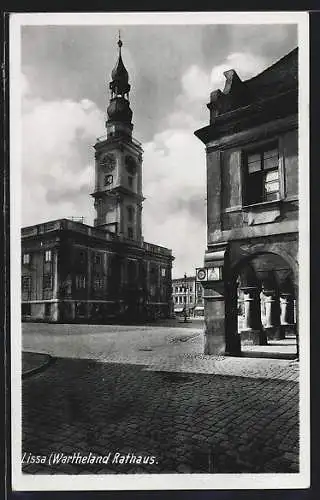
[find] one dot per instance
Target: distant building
(187, 295)
(75, 272)
(250, 273)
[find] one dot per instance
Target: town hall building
(75, 272)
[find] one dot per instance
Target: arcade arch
(263, 299)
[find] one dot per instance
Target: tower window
(130, 181)
(130, 232)
(130, 211)
(130, 165)
(108, 180)
(262, 170)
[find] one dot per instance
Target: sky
(172, 70)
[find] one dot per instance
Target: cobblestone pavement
(193, 413)
(158, 347)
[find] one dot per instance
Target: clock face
(131, 165)
(201, 274)
(108, 162)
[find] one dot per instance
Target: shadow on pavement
(195, 423)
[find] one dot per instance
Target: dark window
(82, 257)
(80, 281)
(131, 271)
(80, 309)
(130, 181)
(130, 212)
(97, 259)
(26, 309)
(130, 232)
(98, 282)
(130, 165)
(47, 281)
(26, 284)
(262, 175)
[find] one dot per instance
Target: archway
(264, 304)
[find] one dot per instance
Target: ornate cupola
(118, 111)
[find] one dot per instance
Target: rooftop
(279, 78)
(79, 227)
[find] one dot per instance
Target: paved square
(164, 399)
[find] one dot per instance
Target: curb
(40, 368)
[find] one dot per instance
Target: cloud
(198, 83)
(245, 64)
(195, 83)
(175, 166)
(174, 186)
(58, 172)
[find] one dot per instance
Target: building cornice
(259, 133)
(253, 115)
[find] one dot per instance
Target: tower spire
(118, 111)
(119, 85)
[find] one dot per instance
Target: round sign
(201, 274)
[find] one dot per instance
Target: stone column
(252, 328)
(287, 313)
(287, 309)
(272, 309)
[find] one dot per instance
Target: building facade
(187, 296)
(75, 272)
(250, 274)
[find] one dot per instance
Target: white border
(22, 482)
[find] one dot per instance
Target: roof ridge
(281, 60)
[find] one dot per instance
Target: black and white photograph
(159, 250)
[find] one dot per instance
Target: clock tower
(118, 164)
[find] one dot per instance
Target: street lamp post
(185, 297)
